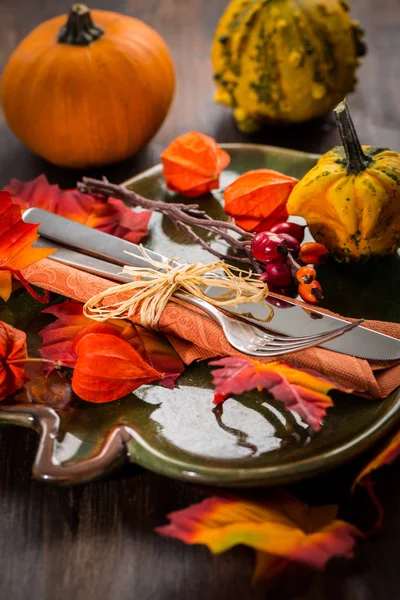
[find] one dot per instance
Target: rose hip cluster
(286, 260)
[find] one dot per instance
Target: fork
(256, 341)
(248, 338)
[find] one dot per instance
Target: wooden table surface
(96, 541)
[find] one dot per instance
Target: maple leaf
(280, 528)
(16, 252)
(158, 352)
(192, 164)
(12, 356)
(304, 392)
(108, 368)
(61, 336)
(257, 199)
(110, 216)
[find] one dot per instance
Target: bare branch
(185, 216)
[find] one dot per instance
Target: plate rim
(122, 441)
(155, 169)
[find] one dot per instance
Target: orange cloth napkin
(196, 336)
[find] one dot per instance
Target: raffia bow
(152, 288)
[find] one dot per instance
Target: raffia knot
(152, 287)
(176, 277)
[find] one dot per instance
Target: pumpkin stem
(357, 161)
(79, 29)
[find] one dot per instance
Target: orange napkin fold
(196, 336)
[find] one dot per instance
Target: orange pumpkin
(82, 92)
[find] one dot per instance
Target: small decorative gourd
(351, 198)
(82, 92)
(284, 60)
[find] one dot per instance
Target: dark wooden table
(96, 541)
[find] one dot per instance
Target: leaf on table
(192, 164)
(280, 528)
(108, 368)
(12, 348)
(111, 216)
(60, 339)
(305, 392)
(257, 199)
(16, 251)
(386, 455)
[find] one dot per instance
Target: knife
(106, 254)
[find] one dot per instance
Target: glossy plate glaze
(251, 440)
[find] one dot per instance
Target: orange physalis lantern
(192, 164)
(257, 199)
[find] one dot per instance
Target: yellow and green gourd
(351, 198)
(285, 61)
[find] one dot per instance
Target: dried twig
(185, 216)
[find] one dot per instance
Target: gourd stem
(357, 161)
(79, 29)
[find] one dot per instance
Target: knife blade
(106, 254)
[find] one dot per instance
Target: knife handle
(88, 240)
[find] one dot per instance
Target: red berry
(292, 244)
(278, 274)
(311, 292)
(293, 229)
(311, 253)
(265, 246)
(306, 275)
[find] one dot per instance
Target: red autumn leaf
(108, 368)
(304, 392)
(12, 356)
(111, 216)
(192, 164)
(60, 338)
(16, 252)
(158, 352)
(257, 199)
(280, 528)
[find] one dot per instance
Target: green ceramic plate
(179, 433)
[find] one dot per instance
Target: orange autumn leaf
(386, 455)
(108, 368)
(16, 251)
(257, 199)
(111, 216)
(280, 528)
(305, 392)
(61, 336)
(12, 349)
(192, 164)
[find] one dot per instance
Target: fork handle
(208, 308)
